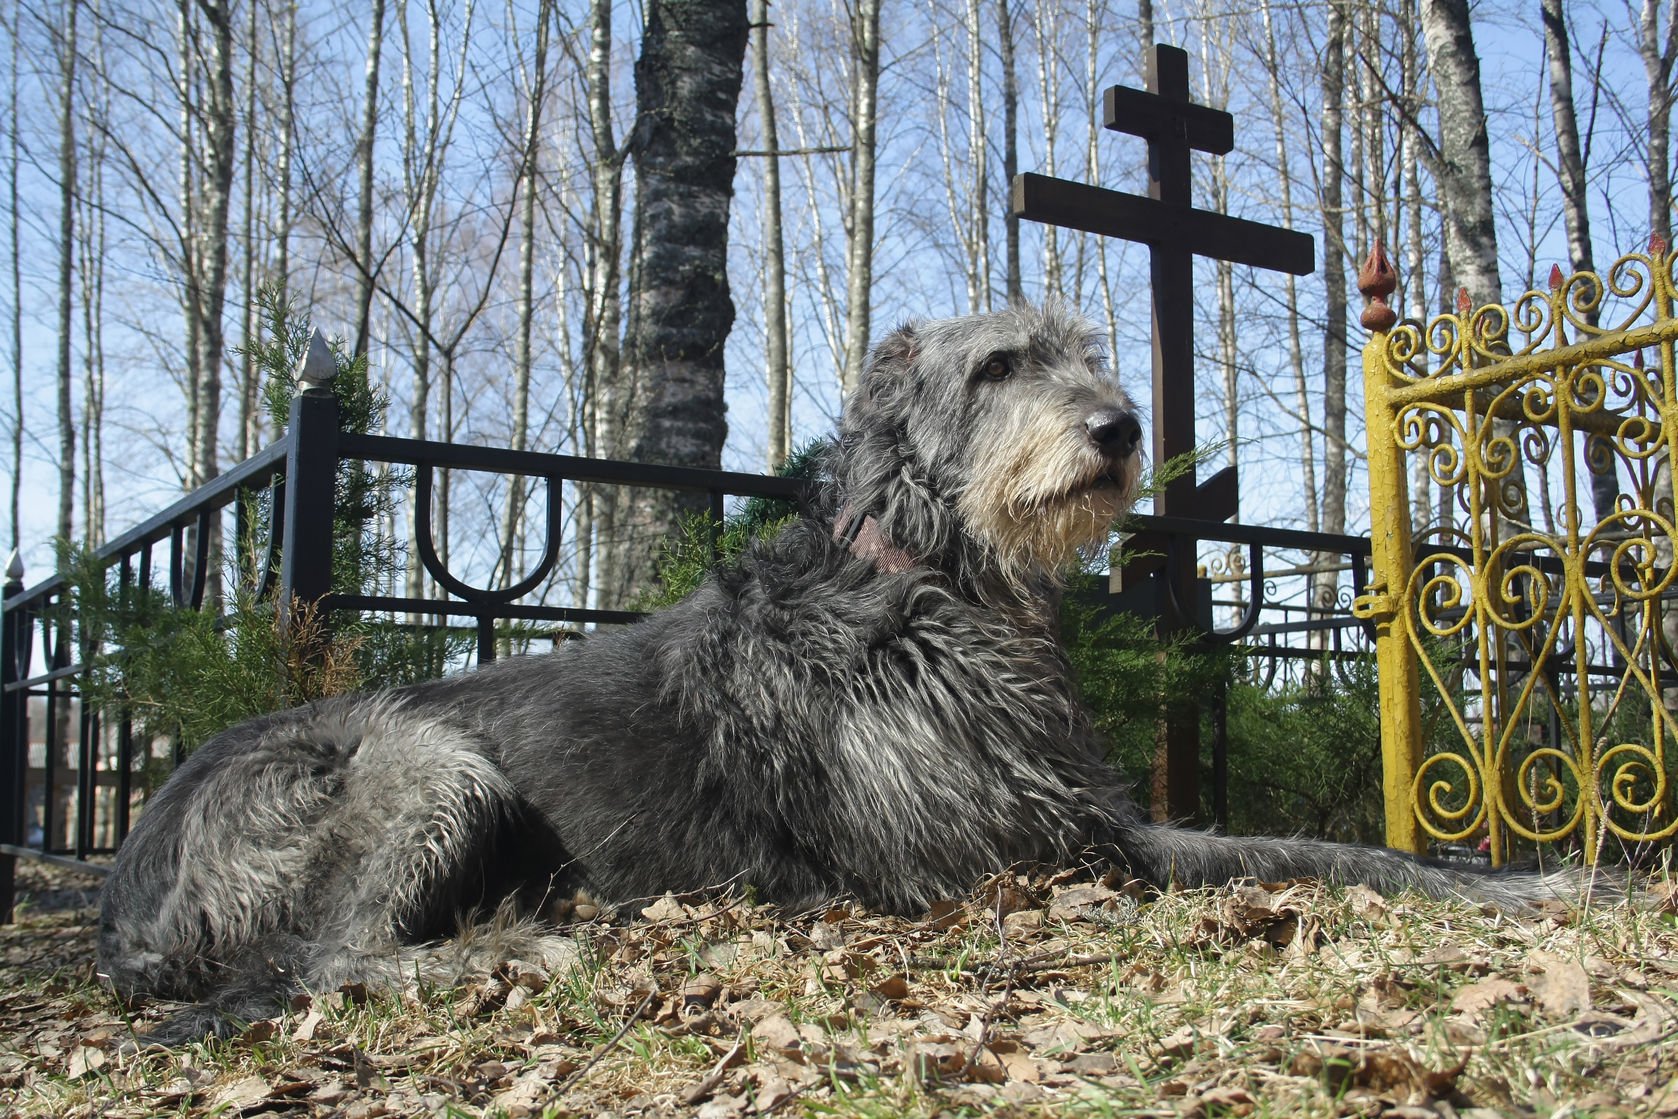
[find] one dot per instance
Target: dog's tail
(1167, 855)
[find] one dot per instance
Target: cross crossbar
(1136, 112)
(1149, 221)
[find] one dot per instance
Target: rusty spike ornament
(1377, 281)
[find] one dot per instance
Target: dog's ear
(888, 363)
(883, 379)
(894, 354)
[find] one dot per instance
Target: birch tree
(1010, 143)
(1412, 143)
(1464, 165)
(14, 243)
(776, 356)
(364, 156)
(1048, 92)
(535, 83)
(428, 133)
(1290, 287)
(978, 158)
(1216, 55)
(605, 399)
(859, 224)
(94, 246)
(1335, 348)
(1659, 49)
(208, 157)
(67, 51)
(1570, 173)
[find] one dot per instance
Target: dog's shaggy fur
(873, 703)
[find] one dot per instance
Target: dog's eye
(997, 368)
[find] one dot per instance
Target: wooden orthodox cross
(1175, 233)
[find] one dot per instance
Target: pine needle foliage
(183, 674)
(360, 555)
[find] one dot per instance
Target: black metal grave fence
(45, 656)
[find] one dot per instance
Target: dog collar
(865, 540)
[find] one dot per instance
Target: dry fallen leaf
(85, 1059)
(1560, 987)
(241, 1093)
(666, 908)
(1486, 993)
(777, 1033)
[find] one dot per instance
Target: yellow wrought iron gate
(1525, 620)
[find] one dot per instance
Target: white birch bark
(859, 228)
(776, 354)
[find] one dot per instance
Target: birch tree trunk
(1335, 349)
(94, 245)
(1464, 175)
(977, 236)
(1048, 92)
(1092, 77)
(207, 190)
(68, 49)
(776, 359)
(425, 150)
(687, 87)
(1414, 275)
(1658, 50)
(286, 65)
(249, 434)
(1215, 93)
(859, 227)
(605, 399)
(1570, 170)
(59, 741)
(15, 244)
(364, 152)
(1010, 143)
(529, 176)
(1464, 169)
(1290, 289)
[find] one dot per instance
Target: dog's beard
(1039, 505)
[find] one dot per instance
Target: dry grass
(1038, 996)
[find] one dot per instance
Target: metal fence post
(14, 736)
(310, 482)
(1386, 604)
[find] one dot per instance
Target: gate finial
(1377, 281)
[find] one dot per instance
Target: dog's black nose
(1114, 430)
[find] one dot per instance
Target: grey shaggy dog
(872, 703)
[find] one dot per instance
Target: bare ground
(1039, 995)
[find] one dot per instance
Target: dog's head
(1010, 424)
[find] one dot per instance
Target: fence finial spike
(14, 567)
(318, 367)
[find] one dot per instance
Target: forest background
(453, 185)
